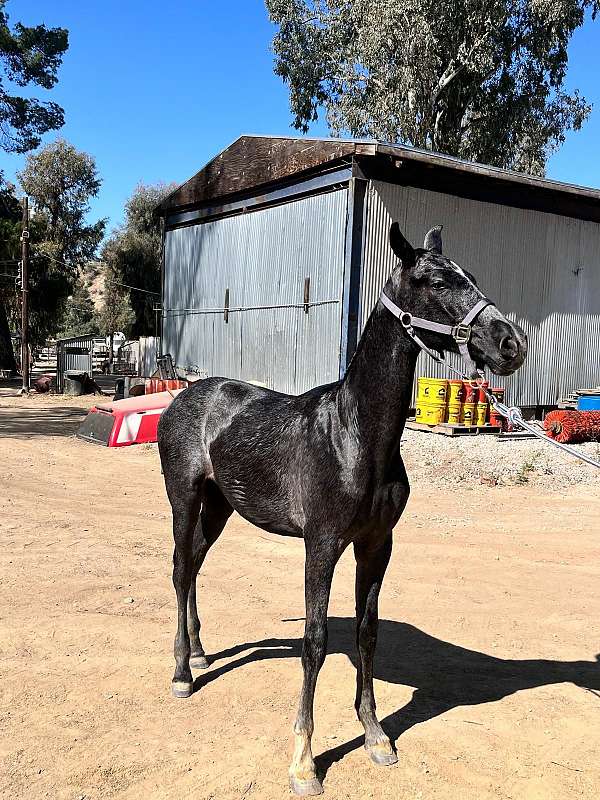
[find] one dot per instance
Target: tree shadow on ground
(24, 422)
(444, 675)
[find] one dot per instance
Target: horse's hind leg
(213, 517)
(186, 509)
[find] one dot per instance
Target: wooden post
(160, 317)
(226, 309)
(306, 294)
(25, 298)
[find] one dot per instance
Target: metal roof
(252, 163)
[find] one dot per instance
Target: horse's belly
(262, 504)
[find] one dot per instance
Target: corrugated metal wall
(148, 351)
(542, 270)
(263, 258)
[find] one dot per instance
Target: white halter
(461, 333)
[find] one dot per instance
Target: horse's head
(428, 285)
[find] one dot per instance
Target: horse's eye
(439, 285)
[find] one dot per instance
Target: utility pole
(25, 298)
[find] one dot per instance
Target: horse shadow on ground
(444, 675)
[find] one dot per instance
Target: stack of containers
(456, 402)
(431, 400)
(159, 385)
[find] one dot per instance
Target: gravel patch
(433, 459)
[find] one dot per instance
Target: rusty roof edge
(371, 147)
(163, 206)
(363, 147)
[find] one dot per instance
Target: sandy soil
(487, 669)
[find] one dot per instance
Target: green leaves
(61, 180)
(481, 81)
(132, 256)
(28, 55)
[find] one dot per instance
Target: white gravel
(433, 459)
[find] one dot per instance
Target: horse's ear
(433, 240)
(402, 249)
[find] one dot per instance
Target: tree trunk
(7, 356)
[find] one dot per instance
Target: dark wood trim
(254, 165)
(357, 189)
(330, 181)
(490, 187)
(254, 161)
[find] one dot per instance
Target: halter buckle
(461, 333)
(406, 319)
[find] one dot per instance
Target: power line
(136, 288)
(117, 283)
(56, 260)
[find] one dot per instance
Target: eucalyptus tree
(29, 56)
(483, 80)
(61, 181)
(133, 253)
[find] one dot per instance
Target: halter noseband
(461, 333)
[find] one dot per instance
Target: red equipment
(124, 422)
(573, 426)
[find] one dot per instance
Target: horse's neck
(375, 394)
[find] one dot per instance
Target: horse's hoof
(382, 754)
(305, 788)
(182, 688)
(198, 662)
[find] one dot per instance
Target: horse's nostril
(509, 346)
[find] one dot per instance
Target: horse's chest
(380, 507)
(389, 501)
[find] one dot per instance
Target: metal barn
(276, 251)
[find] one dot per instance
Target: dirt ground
(487, 668)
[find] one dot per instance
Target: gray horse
(324, 466)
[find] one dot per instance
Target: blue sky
(154, 90)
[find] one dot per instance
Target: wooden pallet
(511, 436)
(451, 429)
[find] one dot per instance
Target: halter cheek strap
(461, 333)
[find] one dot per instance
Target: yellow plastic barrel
(481, 413)
(455, 392)
(430, 415)
(453, 414)
(468, 413)
(455, 398)
(432, 390)
(431, 400)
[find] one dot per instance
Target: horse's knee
(314, 647)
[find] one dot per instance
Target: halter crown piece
(461, 333)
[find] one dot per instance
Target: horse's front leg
(321, 558)
(371, 562)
